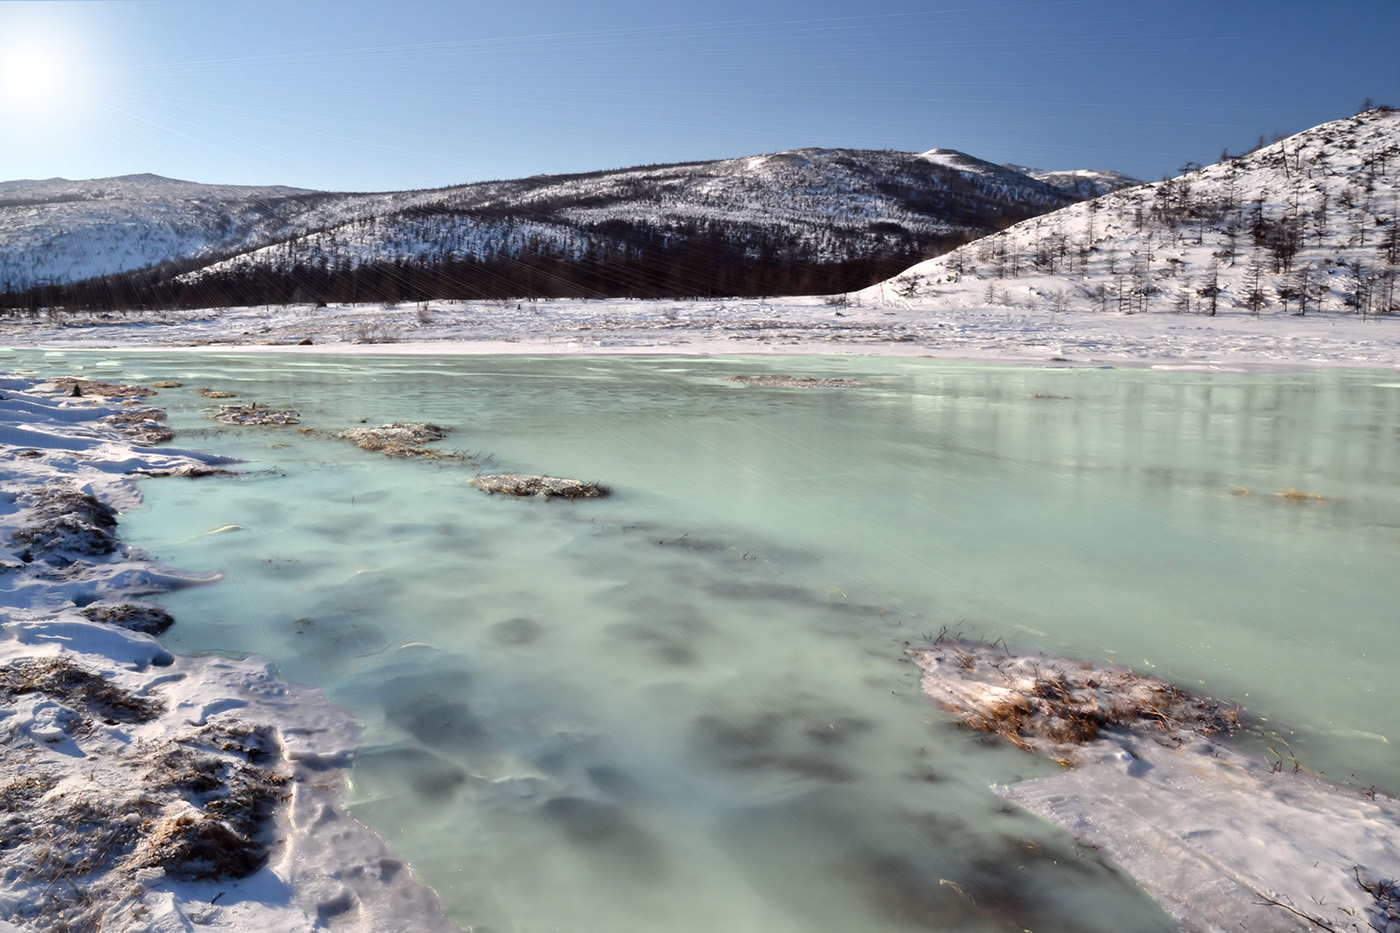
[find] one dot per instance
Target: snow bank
(143, 790)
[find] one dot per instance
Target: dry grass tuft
(1386, 894)
(61, 518)
(87, 387)
(402, 439)
(255, 414)
(544, 487)
(137, 617)
(780, 381)
(1049, 705)
(75, 686)
(143, 425)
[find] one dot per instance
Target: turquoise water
(686, 707)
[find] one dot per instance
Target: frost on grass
(218, 801)
(1052, 706)
(402, 439)
(60, 518)
(88, 696)
(255, 414)
(779, 381)
(544, 487)
(197, 803)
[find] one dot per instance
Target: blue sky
(376, 96)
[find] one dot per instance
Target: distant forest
(706, 267)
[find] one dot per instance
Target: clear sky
(377, 95)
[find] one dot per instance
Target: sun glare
(40, 79)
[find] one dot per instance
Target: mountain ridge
(827, 206)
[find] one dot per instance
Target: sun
(40, 79)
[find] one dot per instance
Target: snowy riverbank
(144, 790)
(1230, 341)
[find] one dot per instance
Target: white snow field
(1230, 341)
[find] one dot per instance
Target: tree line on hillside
(1290, 255)
(695, 267)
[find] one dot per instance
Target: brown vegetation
(1051, 705)
(780, 381)
(544, 487)
(402, 439)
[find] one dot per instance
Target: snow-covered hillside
(822, 205)
(1083, 183)
(58, 231)
(1307, 223)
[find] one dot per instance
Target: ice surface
(687, 706)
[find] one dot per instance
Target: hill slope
(1306, 223)
(59, 231)
(814, 206)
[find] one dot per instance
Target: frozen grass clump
(1052, 705)
(89, 695)
(143, 425)
(780, 381)
(188, 470)
(543, 487)
(147, 618)
(402, 439)
(255, 414)
(79, 388)
(196, 805)
(223, 802)
(63, 519)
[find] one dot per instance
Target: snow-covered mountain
(816, 205)
(1307, 223)
(1082, 183)
(57, 231)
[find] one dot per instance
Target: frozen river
(687, 706)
